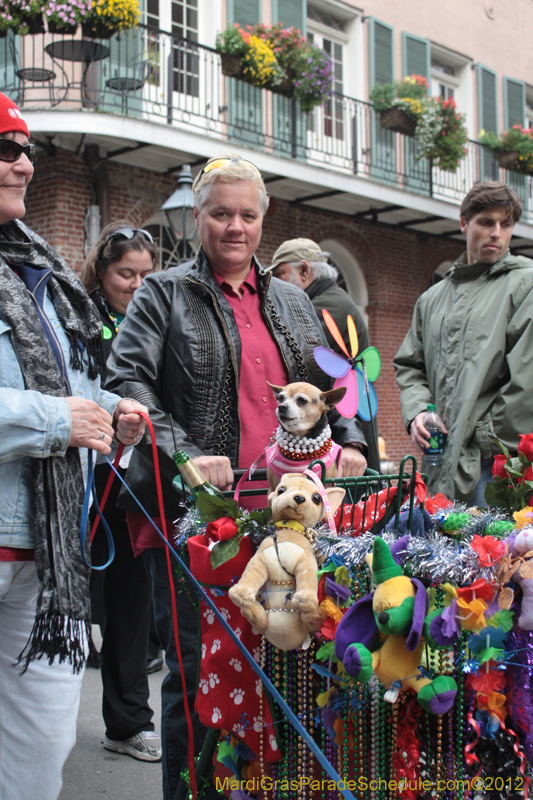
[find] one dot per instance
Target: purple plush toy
(386, 633)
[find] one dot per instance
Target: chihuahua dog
(304, 433)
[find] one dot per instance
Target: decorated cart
(417, 684)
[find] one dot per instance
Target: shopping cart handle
(259, 475)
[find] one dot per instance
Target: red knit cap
(10, 117)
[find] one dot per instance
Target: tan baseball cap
(296, 250)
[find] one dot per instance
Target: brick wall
(397, 264)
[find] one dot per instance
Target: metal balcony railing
(151, 75)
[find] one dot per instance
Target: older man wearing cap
(53, 412)
(303, 263)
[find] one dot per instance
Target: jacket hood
(462, 269)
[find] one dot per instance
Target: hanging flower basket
(513, 148)
(276, 58)
(397, 120)
(66, 30)
(92, 29)
(33, 23)
(508, 160)
(232, 65)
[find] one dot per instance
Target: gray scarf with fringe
(62, 621)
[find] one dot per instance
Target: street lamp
(180, 217)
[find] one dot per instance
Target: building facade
(115, 120)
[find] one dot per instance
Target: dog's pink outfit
(279, 465)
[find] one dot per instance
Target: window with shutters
(529, 107)
(487, 101)
(245, 106)
(443, 81)
(415, 56)
(151, 15)
(186, 60)
(415, 61)
(333, 42)
(514, 101)
(291, 13)
(381, 70)
(450, 77)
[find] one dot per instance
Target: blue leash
(297, 725)
(91, 489)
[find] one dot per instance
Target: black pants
(124, 592)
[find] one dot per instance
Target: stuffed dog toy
(304, 433)
(277, 592)
(386, 631)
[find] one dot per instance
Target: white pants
(38, 710)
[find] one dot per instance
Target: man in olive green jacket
(470, 349)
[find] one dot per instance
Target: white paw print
(255, 631)
(214, 592)
(273, 743)
(257, 654)
(236, 664)
(237, 633)
(213, 679)
(239, 730)
(204, 649)
(237, 695)
(209, 616)
(258, 724)
(259, 688)
(216, 715)
(204, 686)
(216, 645)
(225, 613)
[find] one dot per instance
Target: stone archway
(353, 279)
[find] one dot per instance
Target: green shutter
(380, 52)
(291, 13)
(487, 102)
(415, 55)
(514, 101)
(245, 12)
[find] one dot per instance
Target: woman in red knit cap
(52, 410)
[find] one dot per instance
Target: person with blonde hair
(199, 343)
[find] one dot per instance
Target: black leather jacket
(178, 352)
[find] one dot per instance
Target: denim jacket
(34, 425)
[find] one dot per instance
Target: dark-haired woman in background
(113, 271)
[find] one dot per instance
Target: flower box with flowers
(438, 129)
(278, 59)
(513, 149)
(22, 17)
(107, 17)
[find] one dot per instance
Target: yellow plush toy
(386, 632)
(277, 592)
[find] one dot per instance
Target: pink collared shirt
(261, 361)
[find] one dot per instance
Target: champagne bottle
(194, 477)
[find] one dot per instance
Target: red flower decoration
(526, 445)
(436, 503)
(498, 468)
(488, 548)
(222, 529)
(479, 590)
(487, 682)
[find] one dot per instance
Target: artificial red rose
(222, 529)
(526, 445)
(498, 468)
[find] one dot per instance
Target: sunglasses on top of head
(11, 151)
(129, 233)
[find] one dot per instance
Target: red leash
(192, 774)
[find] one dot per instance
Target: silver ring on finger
(101, 437)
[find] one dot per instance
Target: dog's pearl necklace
(300, 448)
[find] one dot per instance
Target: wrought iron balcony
(151, 75)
